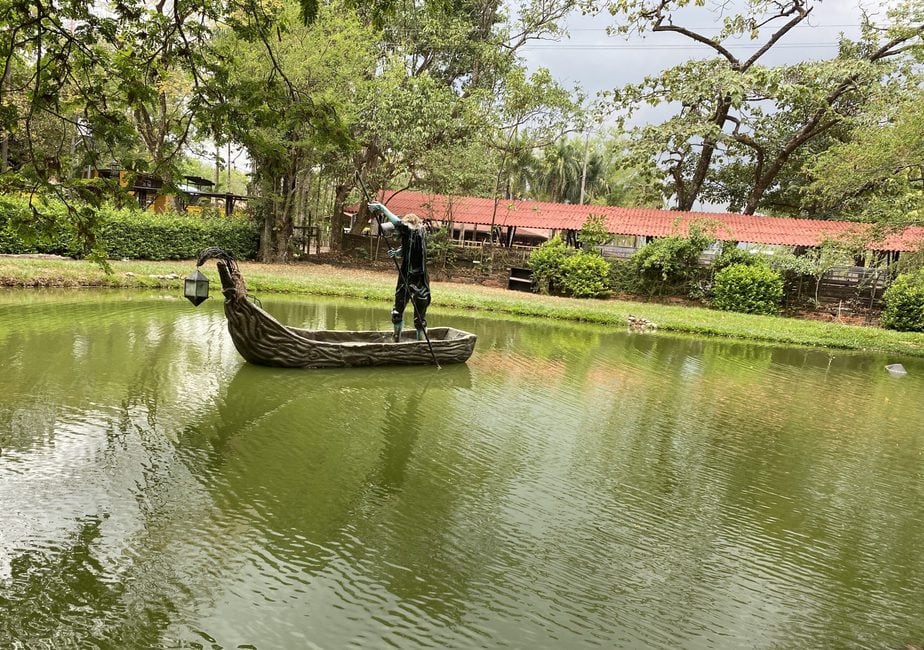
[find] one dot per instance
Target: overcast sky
(596, 61)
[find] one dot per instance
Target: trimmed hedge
(749, 289)
(904, 303)
(144, 235)
(47, 231)
(123, 233)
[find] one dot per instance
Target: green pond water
(569, 487)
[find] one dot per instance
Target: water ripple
(569, 487)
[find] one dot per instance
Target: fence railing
(858, 285)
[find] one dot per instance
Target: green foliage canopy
(877, 173)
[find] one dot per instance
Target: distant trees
(594, 169)
(434, 95)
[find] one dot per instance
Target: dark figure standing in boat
(413, 280)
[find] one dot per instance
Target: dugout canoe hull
(263, 340)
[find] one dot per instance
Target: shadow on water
(399, 435)
(62, 596)
(320, 459)
(254, 391)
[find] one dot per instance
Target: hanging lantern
(196, 288)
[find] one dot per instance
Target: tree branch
(887, 51)
(699, 38)
(802, 14)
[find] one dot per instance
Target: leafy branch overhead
(401, 91)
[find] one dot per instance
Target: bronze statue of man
(413, 280)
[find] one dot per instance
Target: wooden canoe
(263, 340)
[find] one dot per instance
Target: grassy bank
(322, 280)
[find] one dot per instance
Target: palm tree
(520, 168)
(562, 164)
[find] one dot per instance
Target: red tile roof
(636, 221)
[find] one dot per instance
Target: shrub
(672, 262)
(546, 263)
(747, 288)
(731, 254)
(586, 275)
(121, 233)
(593, 233)
(624, 277)
(904, 303)
(440, 248)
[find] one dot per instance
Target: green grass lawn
(324, 280)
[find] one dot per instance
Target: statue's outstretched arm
(375, 206)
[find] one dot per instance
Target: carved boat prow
(263, 340)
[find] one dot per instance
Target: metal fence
(857, 285)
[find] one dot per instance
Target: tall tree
(461, 59)
(156, 70)
(732, 110)
(88, 75)
(288, 93)
(562, 164)
(877, 173)
(401, 90)
(615, 178)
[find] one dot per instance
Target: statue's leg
(397, 312)
(421, 296)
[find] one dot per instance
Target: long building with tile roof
(641, 222)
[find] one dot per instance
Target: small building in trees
(193, 195)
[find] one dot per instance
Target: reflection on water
(570, 486)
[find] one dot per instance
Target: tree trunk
(269, 218)
(284, 226)
(757, 193)
(686, 196)
(368, 162)
(266, 238)
(810, 130)
(337, 218)
(362, 221)
(5, 138)
(217, 165)
(267, 188)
